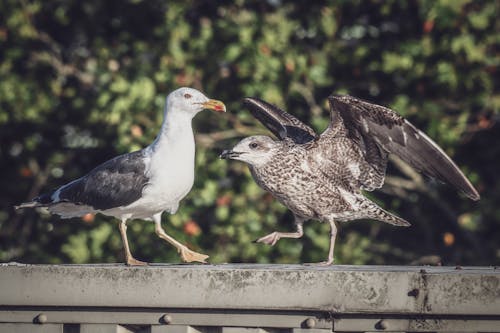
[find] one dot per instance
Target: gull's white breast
(170, 169)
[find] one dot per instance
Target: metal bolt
(381, 325)
(41, 319)
(310, 323)
(166, 319)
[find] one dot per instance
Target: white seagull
(142, 184)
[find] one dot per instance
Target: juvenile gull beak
(227, 154)
(215, 105)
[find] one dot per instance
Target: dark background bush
(82, 81)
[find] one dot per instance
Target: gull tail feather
(43, 200)
(29, 204)
(382, 215)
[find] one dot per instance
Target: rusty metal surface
(141, 316)
(433, 324)
(335, 289)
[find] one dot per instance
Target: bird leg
(273, 237)
(131, 261)
(333, 236)
(186, 254)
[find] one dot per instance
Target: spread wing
(369, 124)
(117, 182)
(281, 123)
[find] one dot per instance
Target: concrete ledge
(335, 289)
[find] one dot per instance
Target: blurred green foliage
(83, 81)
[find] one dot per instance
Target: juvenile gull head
(255, 150)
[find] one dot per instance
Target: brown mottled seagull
(321, 176)
(142, 184)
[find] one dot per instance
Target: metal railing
(248, 298)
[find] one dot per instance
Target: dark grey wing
(364, 121)
(281, 123)
(117, 182)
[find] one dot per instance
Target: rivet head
(310, 323)
(41, 318)
(381, 325)
(166, 319)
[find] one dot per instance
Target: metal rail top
(335, 289)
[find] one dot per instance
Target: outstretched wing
(366, 123)
(281, 123)
(117, 182)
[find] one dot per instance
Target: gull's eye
(253, 145)
(187, 96)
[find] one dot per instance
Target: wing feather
(280, 123)
(394, 134)
(117, 182)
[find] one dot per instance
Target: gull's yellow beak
(215, 105)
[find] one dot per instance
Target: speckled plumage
(321, 180)
(321, 176)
